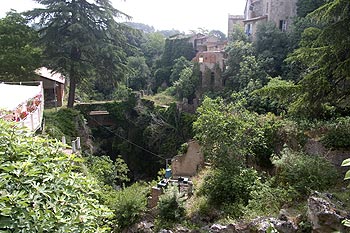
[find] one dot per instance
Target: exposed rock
(143, 226)
(221, 228)
(263, 224)
(165, 231)
(325, 216)
(259, 225)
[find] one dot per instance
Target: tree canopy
(81, 39)
(20, 55)
(324, 54)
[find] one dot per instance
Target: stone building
(211, 66)
(281, 12)
(232, 21)
(54, 86)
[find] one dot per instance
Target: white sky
(183, 15)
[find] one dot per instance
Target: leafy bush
(229, 184)
(183, 148)
(305, 172)
(106, 171)
(338, 134)
(226, 131)
(128, 204)
(171, 205)
(267, 200)
(42, 189)
(60, 123)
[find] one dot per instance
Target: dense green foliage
(128, 204)
(20, 55)
(225, 130)
(324, 54)
(171, 206)
(268, 199)
(243, 128)
(271, 48)
(305, 172)
(64, 122)
(338, 134)
(229, 184)
(139, 75)
(43, 190)
(82, 39)
(305, 7)
(106, 171)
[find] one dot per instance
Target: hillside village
(115, 129)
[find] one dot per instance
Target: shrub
(229, 184)
(338, 134)
(267, 200)
(183, 148)
(63, 122)
(42, 189)
(305, 172)
(106, 171)
(171, 206)
(128, 204)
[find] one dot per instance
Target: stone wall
(336, 157)
(282, 10)
(276, 11)
(188, 164)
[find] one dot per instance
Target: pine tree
(81, 39)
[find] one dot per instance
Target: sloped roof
(50, 74)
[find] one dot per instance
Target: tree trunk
(72, 86)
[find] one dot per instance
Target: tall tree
(325, 52)
(19, 56)
(138, 77)
(81, 38)
(304, 7)
(218, 34)
(180, 64)
(152, 47)
(271, 46)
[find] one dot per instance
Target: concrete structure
(188, 164)
(54, 86)
(152, 201)
(281, 12)
(100, 117)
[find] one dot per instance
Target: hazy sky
(182, 15)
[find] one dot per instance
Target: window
(248, 29)
(283, 25)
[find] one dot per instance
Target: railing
(76, 146)
(33, 120)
